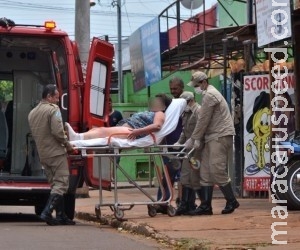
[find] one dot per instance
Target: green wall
(236, 9)
(159, 87)
(137, 101)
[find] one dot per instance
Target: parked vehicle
(289, 175)
(32, 56)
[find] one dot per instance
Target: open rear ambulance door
(95, 105)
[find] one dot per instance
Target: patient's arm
(159, 120)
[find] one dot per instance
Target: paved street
(25, 231)
(249, 227)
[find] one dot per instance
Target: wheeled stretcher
(153, 152)
(113, 148)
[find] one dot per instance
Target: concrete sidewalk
(249, 227)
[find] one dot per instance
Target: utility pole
(82, 37)
(120, 68)
(250, 11)
(118, 4)
(82, 30)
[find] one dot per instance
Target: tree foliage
(6, 91)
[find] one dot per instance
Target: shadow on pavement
(19, 217)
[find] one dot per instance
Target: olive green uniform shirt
(47, 130)
(214, 119)
(189, 120)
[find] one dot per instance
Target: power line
(127, 17)
(30, 6)
(134, 19)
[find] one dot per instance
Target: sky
(103, 18)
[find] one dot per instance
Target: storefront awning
(207, 47)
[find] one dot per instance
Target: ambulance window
(6, 91)
(97, 89)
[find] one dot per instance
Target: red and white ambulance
(32, 56)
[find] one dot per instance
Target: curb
(137, 228)
(147, 231)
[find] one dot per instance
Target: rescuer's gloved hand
(189, 144)
(197, 144)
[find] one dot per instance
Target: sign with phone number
(257, 184)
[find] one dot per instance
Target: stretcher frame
(113, 153)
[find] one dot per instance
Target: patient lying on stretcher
(137, 126)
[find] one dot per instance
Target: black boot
(61, 217)
(46, 215)
(205, 208)
(231, 202)
(183, 205)
(191, 200)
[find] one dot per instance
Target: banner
(257, 121)
(136, 61)
(151, 51)
(145, 54)
(125, 55)
(268, 17)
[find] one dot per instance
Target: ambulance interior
(27, 64)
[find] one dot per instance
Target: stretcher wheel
(171, 211)
(195, 163)
(119, 214)
(176, 164)
(152, 211)
(98, 212)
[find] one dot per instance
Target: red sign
(257, 184)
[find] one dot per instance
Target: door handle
(62, 101)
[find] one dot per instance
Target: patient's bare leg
(97, 133)
(103, 132)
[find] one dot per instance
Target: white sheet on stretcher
(173, 114)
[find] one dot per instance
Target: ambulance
(32, 56)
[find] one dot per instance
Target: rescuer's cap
(197, 77)
(187, 95)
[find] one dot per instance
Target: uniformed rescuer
(189, 176)
(47, 130)
(215, 126)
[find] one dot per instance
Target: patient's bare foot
(73, 136)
